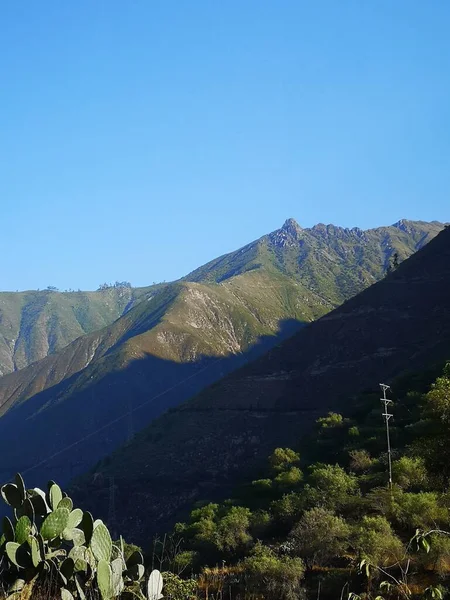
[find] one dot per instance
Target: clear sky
(141, 138)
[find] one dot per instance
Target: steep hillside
(180, 338)
(207, 444)
(161, 352)
(35, 324)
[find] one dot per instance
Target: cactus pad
(38, 500)
(55, 495)
(36, 555)
(135, 559)
(87, 526)
(20, 486)
(11, 495)
(23, 529)
(8, 530)
(65, 594)
(104, 579)
(101, 543)
(117, 584)
(136, 572)
(154, 585)
(67, 568)
(55, 523)
(75, 517)
(66, 503)
(11, 552)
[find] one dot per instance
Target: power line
(117, 419)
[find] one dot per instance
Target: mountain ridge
(400, 323)
(184, 336)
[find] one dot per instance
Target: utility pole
(386, 415)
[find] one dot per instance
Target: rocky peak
(288, 236)
(403, 225)
(291, 227)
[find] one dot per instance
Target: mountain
(182, 337)
(202, 448)
(35, 324)
(333, 261)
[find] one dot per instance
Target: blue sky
(140, 139)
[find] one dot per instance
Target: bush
(374, 540)
(275, 578)
(289, 479)
(176, 588)
(282, 459)
(410, 472)
(331, 486)
(233, 529)
(320, 536)
(360, 461)
(331, 421)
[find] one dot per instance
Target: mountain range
(92, 389)
(203, 448)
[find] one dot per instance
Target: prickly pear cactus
(46, 537)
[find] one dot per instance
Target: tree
(233, 529)
(394, 263)
(410, 472)
(374, 540)
(282, 459)
(331, 421)
(360, 461)
(320, 537)
(274, 577)
(289, 479)
(330, 486)
(421, 510)
(288, 508)
(438, 398)
(260, 521)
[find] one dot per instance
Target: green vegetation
(323, 515)
(51, 549)
(34, 324)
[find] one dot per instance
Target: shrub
(282, 459)
(332, 420)
(176, 588)
(274, 577)
(374, 540)
(320, 536)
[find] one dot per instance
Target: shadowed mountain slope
(206, 445)
(182, 337)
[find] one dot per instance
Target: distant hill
(173, 341)
(205, 446)
(34, 324)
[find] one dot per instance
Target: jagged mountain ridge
(182, 337)
(330, 264)
(202, 448)
(34, 324)
(335, 261)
